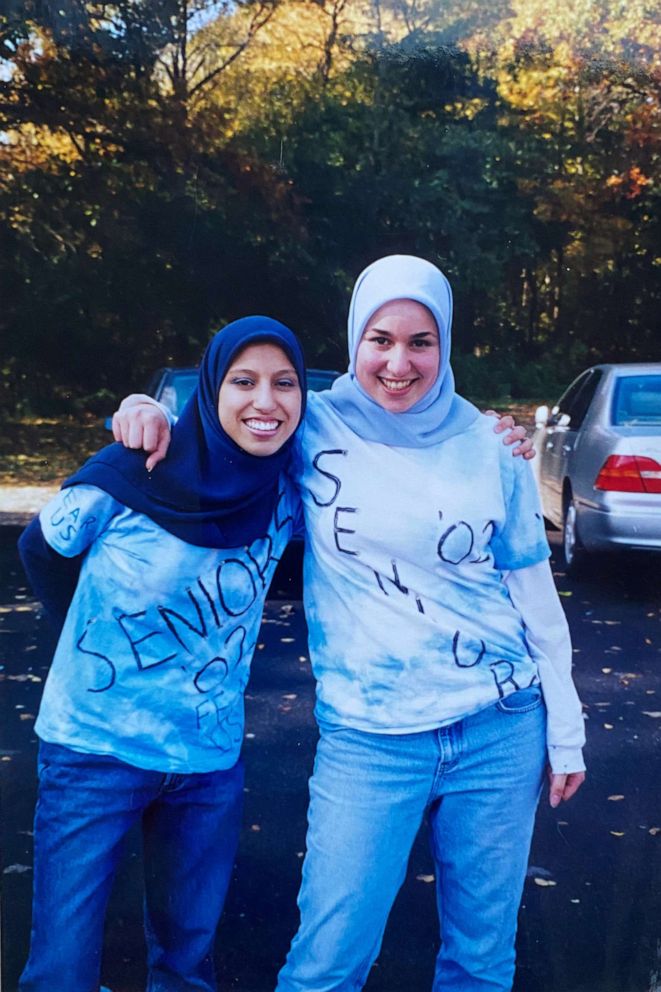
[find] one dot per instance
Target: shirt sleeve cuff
(565, 760)
(169, 416)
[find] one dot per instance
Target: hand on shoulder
(140, 423)
(516, 434)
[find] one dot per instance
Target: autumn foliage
(167, 165)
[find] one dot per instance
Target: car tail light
(629, 474)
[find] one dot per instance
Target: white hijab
(441, 413)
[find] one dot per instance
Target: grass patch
(38, 451)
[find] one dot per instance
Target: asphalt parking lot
(591, 917)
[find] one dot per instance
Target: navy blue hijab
(208, 491)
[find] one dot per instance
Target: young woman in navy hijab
(142, 714)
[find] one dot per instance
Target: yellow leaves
(466, 108)
(617, 833)
(37, 146)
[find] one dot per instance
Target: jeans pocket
(521, 701)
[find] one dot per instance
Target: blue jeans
(87, 803)
(480, 779)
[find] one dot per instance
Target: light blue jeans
(480, 779)
(87, 803)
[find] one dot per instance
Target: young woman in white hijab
(438, 644)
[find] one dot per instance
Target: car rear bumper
(604, 530)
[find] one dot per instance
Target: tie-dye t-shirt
(155, 652)
(411, 625)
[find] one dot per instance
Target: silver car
(599, 461)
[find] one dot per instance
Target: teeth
(396, 384)
(262, 425)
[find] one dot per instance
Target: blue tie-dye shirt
(411, 625)
(155, 652)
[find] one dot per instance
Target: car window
(583, 398)
(566, 402)
(637, 400)
(176, 387)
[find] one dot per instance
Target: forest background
(169, 165)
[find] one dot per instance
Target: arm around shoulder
(143, 422)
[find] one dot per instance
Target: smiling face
(398, 357)
(259, 401)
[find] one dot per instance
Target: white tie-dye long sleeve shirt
(411, 622)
